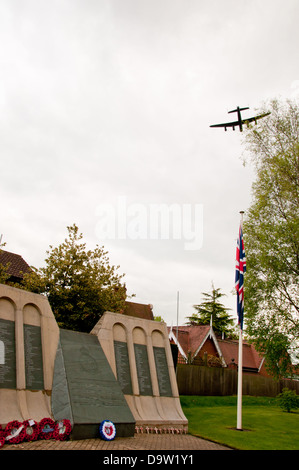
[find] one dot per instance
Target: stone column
(20, 352)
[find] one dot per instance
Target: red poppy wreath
(15, 432)
(2, 437)
(62, 430)
(31, 430)
(46, 426)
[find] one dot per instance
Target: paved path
(146, 442)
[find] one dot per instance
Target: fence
(198, 380)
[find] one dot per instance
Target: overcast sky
(105, 114)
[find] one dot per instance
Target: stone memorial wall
(140, 357)
(28, 342)
(121, 371)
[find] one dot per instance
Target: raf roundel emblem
(107, 430)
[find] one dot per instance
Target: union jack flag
(239, 280)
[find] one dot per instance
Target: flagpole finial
(242, 213)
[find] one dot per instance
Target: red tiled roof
(230, 350)
(190, 337)
(17, 266)
(134, 309)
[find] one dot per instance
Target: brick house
(198, 345)
(134, 309)
(15, 265)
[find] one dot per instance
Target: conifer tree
(212, 308)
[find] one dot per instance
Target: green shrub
(288, 400)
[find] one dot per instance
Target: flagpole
(177, 315)
(177, 325)
(240, 365)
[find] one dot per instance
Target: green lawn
(265, 425)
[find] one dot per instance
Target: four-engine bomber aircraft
(240, 121)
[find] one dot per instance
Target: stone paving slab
(145, 442)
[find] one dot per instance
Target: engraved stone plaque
(139, 352)
(123, 367)
(33, 358)
(8, 354)
(84, 374)
(162, 372)
(143, 370)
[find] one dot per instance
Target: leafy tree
(158, 318)
(80, 284)
(211, 307)
(288, 400)
(271, 233)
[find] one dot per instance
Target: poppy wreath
(62, 430)
(2, 437)
(46, 427)
(31, 430)
(107, 430)
(15, 432)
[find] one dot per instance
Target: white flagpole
(177, 315)
(240, 367)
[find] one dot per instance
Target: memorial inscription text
(8, 354)
(143, 370)
(123, 367)
(33, 358)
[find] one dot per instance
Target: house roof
(134, 309)
(230, 349)
(16, 265)
(192, 338)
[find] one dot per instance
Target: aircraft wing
(226, 124)
(254, 119)
(238, 123)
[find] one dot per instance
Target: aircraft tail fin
(236, 110)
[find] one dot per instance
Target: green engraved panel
(123, 367)
(7, 354)
(143, 370)
(162, 372)
(94, 392)
(33, 358)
